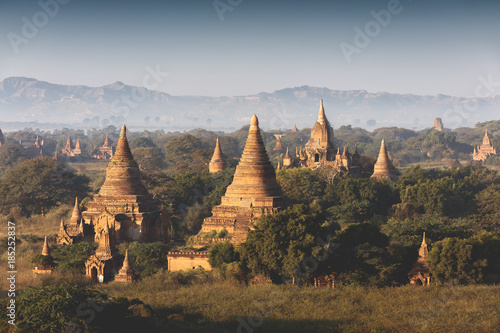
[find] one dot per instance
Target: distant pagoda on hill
(485, 150)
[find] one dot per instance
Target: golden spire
(76, 216)
(45, 250)
(126, 273)
(382, 168)
(321, 114)
(254, 176)
(122, 174)
(218, 162)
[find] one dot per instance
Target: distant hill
(24, 100)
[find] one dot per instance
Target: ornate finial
(254, 121)
(123, 132)
(423, 239)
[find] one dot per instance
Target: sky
(243, 47)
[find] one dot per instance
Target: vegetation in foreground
(200, 301)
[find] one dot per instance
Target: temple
(437, 124)
(253, 193)
(2, 138)
(105, 152)
(218, 162)
(278, 147)
(76, 230)
(124, 204)
(69, 150)
(126, 273)
(485, 150)
(294, 129)
(419, 274)
(320, 151)
(47, 267)
(383, 166)
(100, 267)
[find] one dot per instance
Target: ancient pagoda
(437, 124)
(319, 148)
(287, 159)
(105, 152)
(278, 147)
(124, 204)
(383, 166)
(218, 162)
(126, 273)
(253, 192)
(2, 138)
(68, 149)
(419, 274)
(76, 230)
(485, 150)
(47, 267)
(101, 266)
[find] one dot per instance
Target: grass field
(226, 306)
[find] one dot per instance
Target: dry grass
(216, 307)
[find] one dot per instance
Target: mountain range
(29, 101)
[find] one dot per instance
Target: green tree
(39, 184)
(222, 253)
(300, 185)
(281, 242)
(142, 142)
(72, 257)
(488, 208)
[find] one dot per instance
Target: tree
(148, 158)
(11, 154)
(222, 253)
(280, 242)
(72, 257)
(39, 184)
(362, 257)
(300, 185)
(142, 142)
(488, 208)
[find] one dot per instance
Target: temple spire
(45, 250)
(76, 216)
(103, 251)
(321, 114)
(382, 168)
(254, 176)
(218, 162)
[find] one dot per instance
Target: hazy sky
(425, 47)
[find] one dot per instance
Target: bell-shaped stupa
(123, 202)
(218, 162)
(253, 192)
(383, 166)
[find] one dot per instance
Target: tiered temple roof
(124, 204)
(218, 162)
(253, 192)
(278, 147)
(485, 150)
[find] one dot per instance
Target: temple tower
(278, 147)
(419, 274)
(382, 168)
(218, 162)
(2, 138)
(484, 150)
(45, 250)
(253, 192)
(287, 159)
(123, 203)
(437, 124)
(100, 266)
(319, 148)
(294, 129)
(126, 273)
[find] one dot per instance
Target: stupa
(218, 162)
(105, 152)
(126, 273)
(382, 168)
(124, 204)
(419, 274)
(253, 192)
(76, 230)
(278, 147)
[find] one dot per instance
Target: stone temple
(253, 192)
(123, 204)
(320, 150)
(383, 166)
(485, 150)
